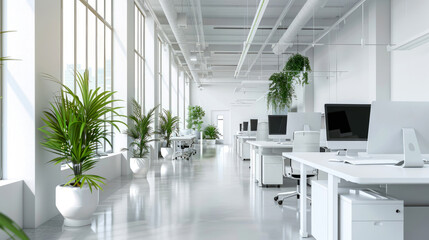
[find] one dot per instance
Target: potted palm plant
(167, 126)
(74, 129)
(141, 131)
(11, 228)
(210, 134)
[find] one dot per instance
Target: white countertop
(364, 174)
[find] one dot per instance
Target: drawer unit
(367, 215)
(272, 170)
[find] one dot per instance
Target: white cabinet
(272, 171)
(365, 215)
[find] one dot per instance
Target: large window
(181, 95)
(165, 80)
(139, 54)
(174, 78)
(150, 51)
(87, 44)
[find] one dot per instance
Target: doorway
(221, 119)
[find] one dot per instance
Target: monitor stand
(354, 153)
(412, 155)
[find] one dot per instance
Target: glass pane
(92, 51)
(109, 11)
(100, 54)
(81, 38)
(68, 43)
(109, 86)
(92, 3)
(100, 7)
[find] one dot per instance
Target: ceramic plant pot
(77, 205)
(211, 141)
(167, 152)
(140, 166)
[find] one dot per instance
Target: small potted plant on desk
(74, 129)
(210, 134)
(141, 131)
(167, 126)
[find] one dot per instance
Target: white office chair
(304, 141)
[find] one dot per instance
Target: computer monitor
(277, 126)
(245, 126)
(253, 125)
(241, 127)
(303, 121)
(347, 126)
(386, 134)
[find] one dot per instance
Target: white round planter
(167, 153)
(140, 166)
(211, 141)
(76, 204)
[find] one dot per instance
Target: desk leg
(333, 207)
(303, 202)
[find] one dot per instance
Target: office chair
(304, 141)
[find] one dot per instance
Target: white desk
(187, 138)
(257, 149)
(360, 174)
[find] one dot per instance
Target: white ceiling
(226, 26)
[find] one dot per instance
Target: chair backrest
(303, 141)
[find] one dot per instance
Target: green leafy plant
(11, 228)
(282, 87)
(195, 117)
(167, 126)
(75, 128)
(211, 132)
(140, 130)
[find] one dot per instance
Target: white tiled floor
(208, 198)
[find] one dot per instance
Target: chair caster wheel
(276, 198)
(280, 202)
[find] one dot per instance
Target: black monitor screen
(347, 122)
(253, 124)
(241, 127)
(277, 124)
(245, 126)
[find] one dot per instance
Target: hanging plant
(297, 65)
(281, 91)
(282, 87)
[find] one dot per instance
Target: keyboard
(372, 161)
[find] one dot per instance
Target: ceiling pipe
(356, 6)
(273, 31)
(171, 15)
(297, 24)
(258, 16)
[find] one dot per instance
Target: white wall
(220, 97)
(410, 79)
(366, 75)
(26, 94)
(11, 202)
(108, 167)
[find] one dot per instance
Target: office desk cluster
(359, 174)
(266, 166)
